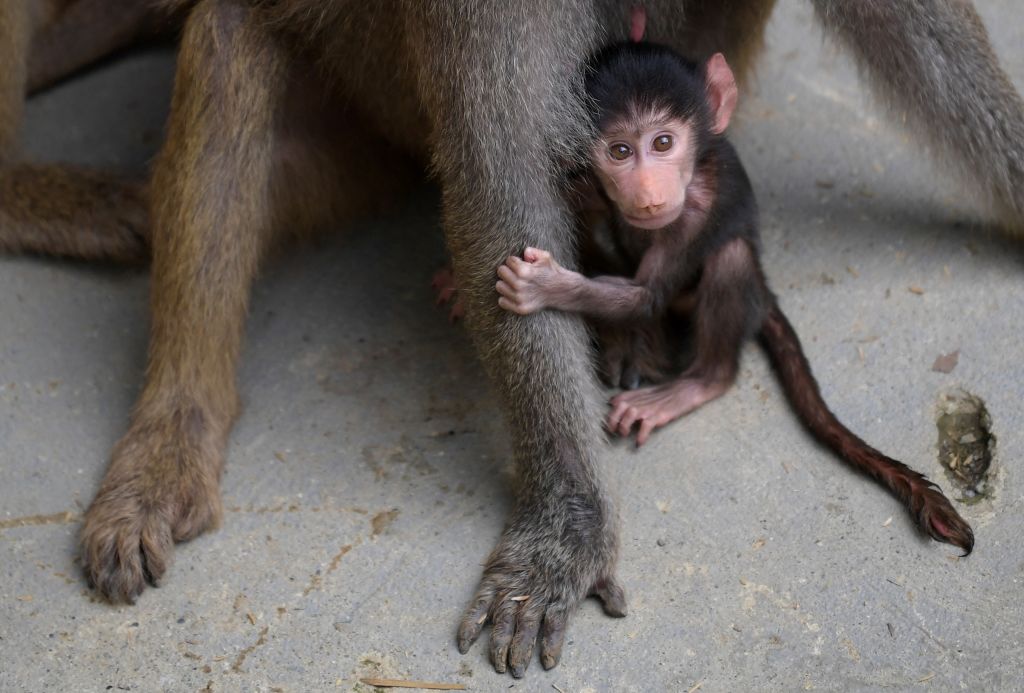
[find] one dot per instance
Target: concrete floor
(366, 479)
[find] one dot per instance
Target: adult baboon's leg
(501, 123)
(15, 34)
(55, 209)
(932, 61)
(212, 220)
(88, 30)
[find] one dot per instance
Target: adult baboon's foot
(541, 570)
(162, 487)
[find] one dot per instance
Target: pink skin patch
(652, 407)
(942, 528)
(646, 185)
(637, 23)
(447, 290)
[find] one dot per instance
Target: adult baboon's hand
(546, 563)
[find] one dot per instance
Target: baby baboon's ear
(722, 92)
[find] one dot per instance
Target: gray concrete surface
(366, 479)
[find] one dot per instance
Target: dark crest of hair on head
(630, 78)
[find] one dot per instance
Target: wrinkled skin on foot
(162, 487)
(645, 409)
(545, 564)
(652, 407)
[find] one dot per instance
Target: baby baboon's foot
(653, 407)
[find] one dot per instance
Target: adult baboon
(268, 97)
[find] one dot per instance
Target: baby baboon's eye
(619, 151)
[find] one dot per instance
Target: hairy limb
(52, 209)
(931, 59)
(72, 212)
(728, 306)
(633, 354)
(86, 31)
(561, 540)
(613, 351)
(15, 33)
(211, 220)
(560, 543)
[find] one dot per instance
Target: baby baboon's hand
(532, 283)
